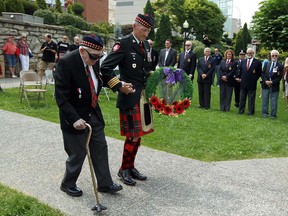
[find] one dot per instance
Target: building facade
(127, 10)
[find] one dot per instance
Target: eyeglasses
(187, 45)
(274, 55)
(94, 57)
(249, 53)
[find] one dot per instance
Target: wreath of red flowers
(175, 109)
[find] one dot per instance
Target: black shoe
(126, 177)
(110, 189)
(72, 191)
(137, 175)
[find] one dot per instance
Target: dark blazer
(133, 67)
(276, 77)
(229, 71)
(187, 64)
(205, 68)
(249, 78)
(70, 77)
(154, 60)
(171, 58)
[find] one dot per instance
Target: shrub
(49, 16)
(71, 31)
(2, 7)
(14, 6)
(41, 4)
(29, 7)
(78, 9)
(58, 6)
(70, 19)
(199, 51)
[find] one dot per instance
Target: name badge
(275, 69)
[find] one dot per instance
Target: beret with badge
(93, 42)
(242, 52)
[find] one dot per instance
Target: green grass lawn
(14, 203)
(199, 134)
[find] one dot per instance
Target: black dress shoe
(126, 177)
(110, 189)
(72, 191)
(137, 175)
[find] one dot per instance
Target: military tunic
(133, 67)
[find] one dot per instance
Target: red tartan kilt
(130, 123)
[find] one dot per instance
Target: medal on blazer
(254, 71)
(230, 68)
(133, 65)
(209, 66)
(79, 92)
(188, 59)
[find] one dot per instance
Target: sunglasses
(187, 45)
(274, 55)
(94, 57)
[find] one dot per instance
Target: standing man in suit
(217, 58)
(130, 54)
(250, 71)
(78, 85)
(187, 60)
(205, 68)
(152, 56)
(271, 77)
(237, 79)
(168, 56)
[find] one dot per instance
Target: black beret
(93, 42)
(145, 20)
(242, 52)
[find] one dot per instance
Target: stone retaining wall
(35, 37)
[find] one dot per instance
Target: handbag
(30, 54)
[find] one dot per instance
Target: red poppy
(158, 106)
(154, 100)
(179, 109)
(167, 110)
(186, 103)
(164, 101)
(175, 103)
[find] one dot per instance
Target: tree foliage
(58, 7)
(246, 36)
(48, 15)
(163, 32)
(239, 42)
(78, 9)
(14, 6)
(2, 7)
(270, 24)
(148, 9)
(29, 7)
(203, 16)
(41, 4)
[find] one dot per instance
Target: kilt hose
(131, 127)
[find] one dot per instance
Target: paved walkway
(32, 160)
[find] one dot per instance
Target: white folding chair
(31, 83)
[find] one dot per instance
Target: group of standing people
(13, 50)
(51, 51)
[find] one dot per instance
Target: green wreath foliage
(158, 76)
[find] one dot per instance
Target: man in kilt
(130, 54)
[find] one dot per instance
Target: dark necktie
(248, 65)
(92, 87)
(141, 47)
